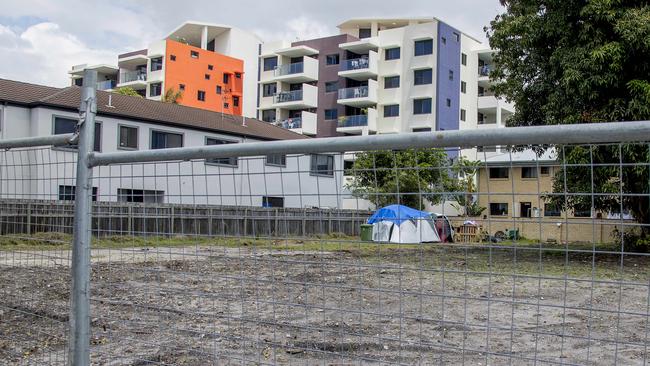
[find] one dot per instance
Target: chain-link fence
(526, 246)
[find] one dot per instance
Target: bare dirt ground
(250, 306)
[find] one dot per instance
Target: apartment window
(270, 63)
(331, 86)
(322, 165)
(451, 74)
(207, 76)
(165, 140)
(218, 89)
(463, 59)
(181, 87)
(456, 37)
(498, 209)
(444, 40)
(155, 89)
(140, 195)
(364, 33)
(172, 57)
(272, 201)
(200, 95)
(448, 101)
(499, 173)
(68, 193)
(391, 110)
(486, 148)
(424, 47)
(194, 54)
(331, 114)
(422, 129)
(238, 75)
(582, 210)
(422, 77)
(333, 59)
(544, 170)
(392, 53)
(463, 115)
(528, 172)
(79, 81)
(156, 64)
(235, 101)
(551, 209)
(268, 90)
(276, 160)
(68, 125)
(463, 87)
(268, 115)
(422, 106)
(221, 161)
(210, 67)
(391, 82)
(226, 78)
(128, 137)
(226, 105)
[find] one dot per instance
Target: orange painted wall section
(182, 68)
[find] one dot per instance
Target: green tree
(464, 183)
(125, 90)
(172, 96)
(408, 177)
(569, 61)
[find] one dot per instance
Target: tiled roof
(123, 106)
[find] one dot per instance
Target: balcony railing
(356, 92)
(354, 121)
(290, 96)
(106, 84)
(128, 76)
(289, 69)
(484, 70)
(290, 123)
(356, 64)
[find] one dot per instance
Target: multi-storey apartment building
(207, 62)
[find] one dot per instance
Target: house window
(582, 210)
(463, 115)
(451, 74)
(128, 137)
(155, 89)
(463, 87)
(551, 209)
(444, 40)
(333, 59)
(391, 82)
(276, 160)
(272, 201)
(235, 101)
(226, 105)
(457, 37)
(268, 115)
(322, 165)
(331, 114)
(422, 77)
(165, 140)
(68, 193)
(238, 75)
(424, 47)
(156, 64)
(172, 57)
(498, 209)
(221, 161)
(499, 173)
(200, 95)
(268, 90)
(422, 129)
(544, 170)
(331, 86)
(422, 106)
(68, 125)
(210, 67)
(194, 54)
(463, 59)
(270, 63)
(140, 195)
(392, 53)
(364, 33)
(181, 87)
(226, 78)
(448, 102)
(218, 89)
(528, 172)
(207, 76)
(391, 110)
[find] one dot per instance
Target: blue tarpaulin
(397, 214)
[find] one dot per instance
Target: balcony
(106, 84)
(305, 124)
(484, 70)
(490, 102)
(297, 99)
(299, 72)
(359, 96)
(358, 124)
(360, 69)
(134, 79)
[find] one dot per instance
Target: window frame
(500, 169)
(94, 193)
(425, 51)
(390, 106)
(198, 95)
(317, 173)
(235, 101)
(557, 210)
(282, 164)
(265, 199)
(421, 111)
(463, 87)
(265, 86)
(158, 193)
(387, 53)
(151, 63)
(533, 169)
(422, 79)
(463, 59)
(329, 84)
(194, 54)
(161, 88)
(329, 110)
(463, 115)
(214, 161)
(507, 210)
(327, 59)
(119, 135)
(264, 64)
(76, 121)
(275, 115)
(155, 130)
(393, 77)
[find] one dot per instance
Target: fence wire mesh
(260, 260)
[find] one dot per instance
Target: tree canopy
(126, 90)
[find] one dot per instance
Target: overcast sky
(41, 39)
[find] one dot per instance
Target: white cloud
(43, 53)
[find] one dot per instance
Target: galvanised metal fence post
(79, 351)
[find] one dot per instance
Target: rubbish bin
(513, 234)
(366, 232)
